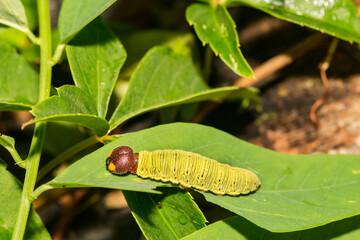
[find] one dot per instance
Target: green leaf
(12, 14)
(95, 57)
(60, 136)
(19, 81)
(239, 228)
(9, 144)
(31, 13)
(139, 42)
(13, 37)
(71, 105)
(215, 26)
(338, 18)
(32, 54)
(171, 215)
(296, 192)
(6, 141)
(10, 195)
(165, 78)
(74, 15)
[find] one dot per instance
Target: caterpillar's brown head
(122, 160)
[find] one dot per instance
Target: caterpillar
(185, 168)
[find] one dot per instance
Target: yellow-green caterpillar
(185, 168)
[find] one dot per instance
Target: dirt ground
(285, 124)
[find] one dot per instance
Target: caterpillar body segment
(187, 169)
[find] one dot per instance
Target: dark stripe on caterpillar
(185, 168)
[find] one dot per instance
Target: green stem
(39, 191)
(33, 159)
(16, 157)
(45, 49)
(66, 154)
(32, 37)
(57, 55)
(30, 179)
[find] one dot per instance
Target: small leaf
(19, 82)
(323, 188)
(9, 144)
(215, 26)
(241, 229)
(164, 78)
(171, 215)
(74, 15)
(95, 57)
(10, 195)
(71, 105)
(338, 18)
(6, 141)
(12, 14)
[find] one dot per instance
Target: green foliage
(289, 183)
(301, 196)
(164, 78)
(216, 27)
(95, 57)
(75, 15)
(10, 195)
(31, 13)
(337, 18)
(14, 95)
(171, 215)
(72, 105)
(137, 43)
(12, 14)
(239, 228)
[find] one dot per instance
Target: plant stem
(57, 55)
(30, 178)
(39, 191)
(45, 49)
(33, 38)
(33, 159)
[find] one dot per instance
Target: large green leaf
(215, 26)
(241, 229)
(95, 57)
(336, 17)
(164, 78)
(10, 195)
(74, 15)
(297, 191)
(12, 14)
(18, 81)
(71, 105)
(171, 215)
